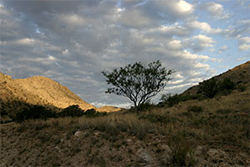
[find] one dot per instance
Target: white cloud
(72, 20)
(175, 44)
(176, 82)
(51, 57)
(188, 55)
(178, 76)
(136, 19)
(179, 7)
(224, 47)
(216, 10)
(66, 52)
(245, 39)
(244, 47)
(204, 26)
(184, 7)
(169, 31)
(199, 42)
(244, 43)
(25, 41)
(201, 66)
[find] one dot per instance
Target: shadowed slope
(238, 75)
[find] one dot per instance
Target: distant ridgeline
(221, 85)
(239, 76)
(38, 93)
(41, 97)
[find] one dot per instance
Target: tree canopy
(138, 82)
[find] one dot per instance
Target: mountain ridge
(238, 75)
(39, 90)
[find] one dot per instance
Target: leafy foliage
(34, 112)
(172, 100)
(182, 153)
(209, 88)
(93, 113)
(227, 84)
(76, 111)
(137, 82)
(71, 111)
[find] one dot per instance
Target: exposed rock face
(39, 90)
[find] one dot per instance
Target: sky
(73, 41)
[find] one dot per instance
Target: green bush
(71, 111)
(93, 113)
(143, 107)
(90, 113)
(209, 88)
(172, 100)
(182, 153)
(226, 84)
(34, 112)
(76, 111)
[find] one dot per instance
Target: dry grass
(115, 139)
(212, 124)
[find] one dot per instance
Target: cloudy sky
(73, 41)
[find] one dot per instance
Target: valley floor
(212, 132)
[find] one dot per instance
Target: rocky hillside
(239, 75)
(194, 133)
(109, 109)
(197, 132)
(39, 90)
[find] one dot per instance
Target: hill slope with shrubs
(37, 90)
(190, 129)
(210, 132)
(236, 78)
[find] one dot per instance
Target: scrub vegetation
(188, 129)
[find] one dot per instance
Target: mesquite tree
(137, 81)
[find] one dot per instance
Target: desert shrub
(227, 84)
(241, 87)
(93, 113)
(76, 111)
(172, 100)
(90, 113)
(34, 112)
(71, 111)
(195, 108)
(143, 107)
(182, 153)
(11, 108)
(209, 88)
